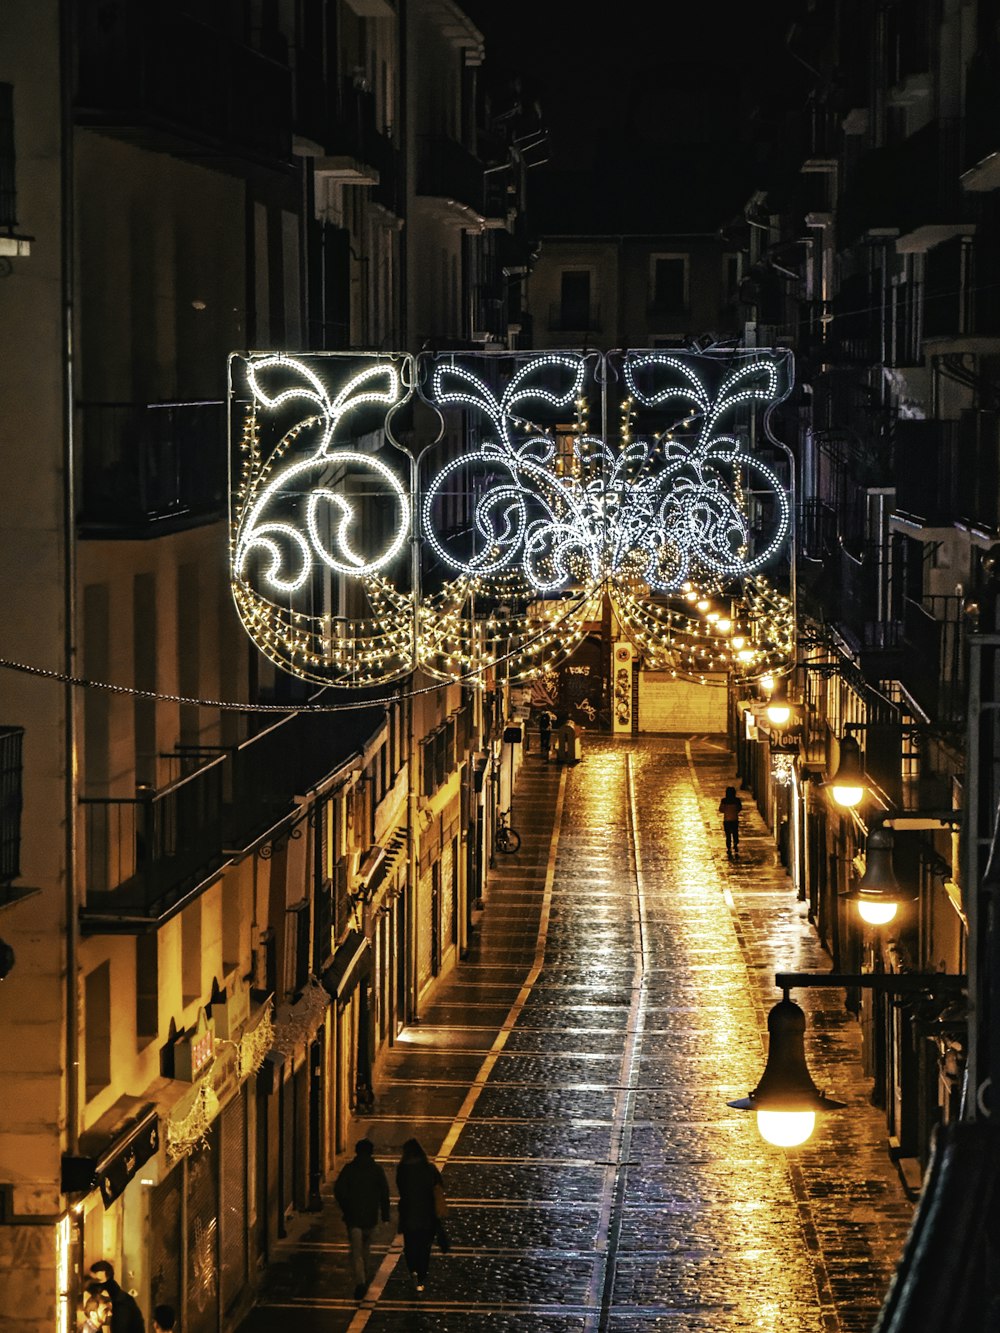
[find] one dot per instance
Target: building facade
(217, 908)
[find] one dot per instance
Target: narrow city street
(571, 1080)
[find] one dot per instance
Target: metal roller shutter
(233, 1190)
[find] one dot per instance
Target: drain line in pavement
(381, 1278)
(616, 1174)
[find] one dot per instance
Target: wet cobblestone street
(571, 1078)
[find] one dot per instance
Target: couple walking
(362, 1192)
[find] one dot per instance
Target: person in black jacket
(729, 808)
(126, 1317)
(417, 1179)
(362, 1192)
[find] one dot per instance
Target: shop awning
(393, 852)
(351, 963)
(112, 1152)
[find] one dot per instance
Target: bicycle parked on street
(506, 839)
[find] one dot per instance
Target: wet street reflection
(572, 1077)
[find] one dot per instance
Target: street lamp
(878, 894)
(779, 708)
(847, 786)
(786, 1100)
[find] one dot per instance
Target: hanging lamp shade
(786, 1099)
(778, 709)
(878, 894)
(848, 783)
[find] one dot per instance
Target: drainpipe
(67, 51)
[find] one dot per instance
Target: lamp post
(786, 1100)
(878, 894)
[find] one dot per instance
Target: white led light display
(677, 513)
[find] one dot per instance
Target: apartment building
(218, 908)
(870, 248)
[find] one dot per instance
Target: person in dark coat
(729, 808)
(417, 1178)
(362, 1192)
(544, 734)
(126, 1317)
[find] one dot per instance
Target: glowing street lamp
(847, 786)
(779, 709)
(878, 894)
(786, 1099)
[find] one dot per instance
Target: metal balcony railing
(446, 169)
(163, 74)
(144, 464)
(145, 854)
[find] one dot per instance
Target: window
(10, 803)
(574, 301)
(97, 1029)
(297, 947)
(11, 244)
(191, 952)
(670, 284)
(147, 989)
(232, 922)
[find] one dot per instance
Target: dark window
(97, 1028)
(8, 194)
(297, 936)
(147, 989)
(668, 284)
(575, 299)
(10, 803)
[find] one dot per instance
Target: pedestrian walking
(126, 1317)
(164, 1319)
(544, 734)
(729, 808)
(362, 1192)
(421, 1206)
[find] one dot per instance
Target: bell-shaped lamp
(779, 710)
(786, 1099)
(878, 894)
(848, 783)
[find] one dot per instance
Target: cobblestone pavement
(572, 1077)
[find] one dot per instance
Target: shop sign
(194, 1051)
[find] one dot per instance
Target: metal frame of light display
(450, 511)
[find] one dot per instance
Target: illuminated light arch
(562, 517)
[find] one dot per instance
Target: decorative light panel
(523, 520)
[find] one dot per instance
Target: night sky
(656, 111)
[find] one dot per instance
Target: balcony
(153, 468)
(160, 77)
(933, 670)
(147, 855)
(448, 171)
(926, 471)
(905, 185)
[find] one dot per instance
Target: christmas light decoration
(672, 523)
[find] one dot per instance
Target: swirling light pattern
(672, 524)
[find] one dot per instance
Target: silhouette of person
(417, 1179)
(729, 808)
(362, 1192)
